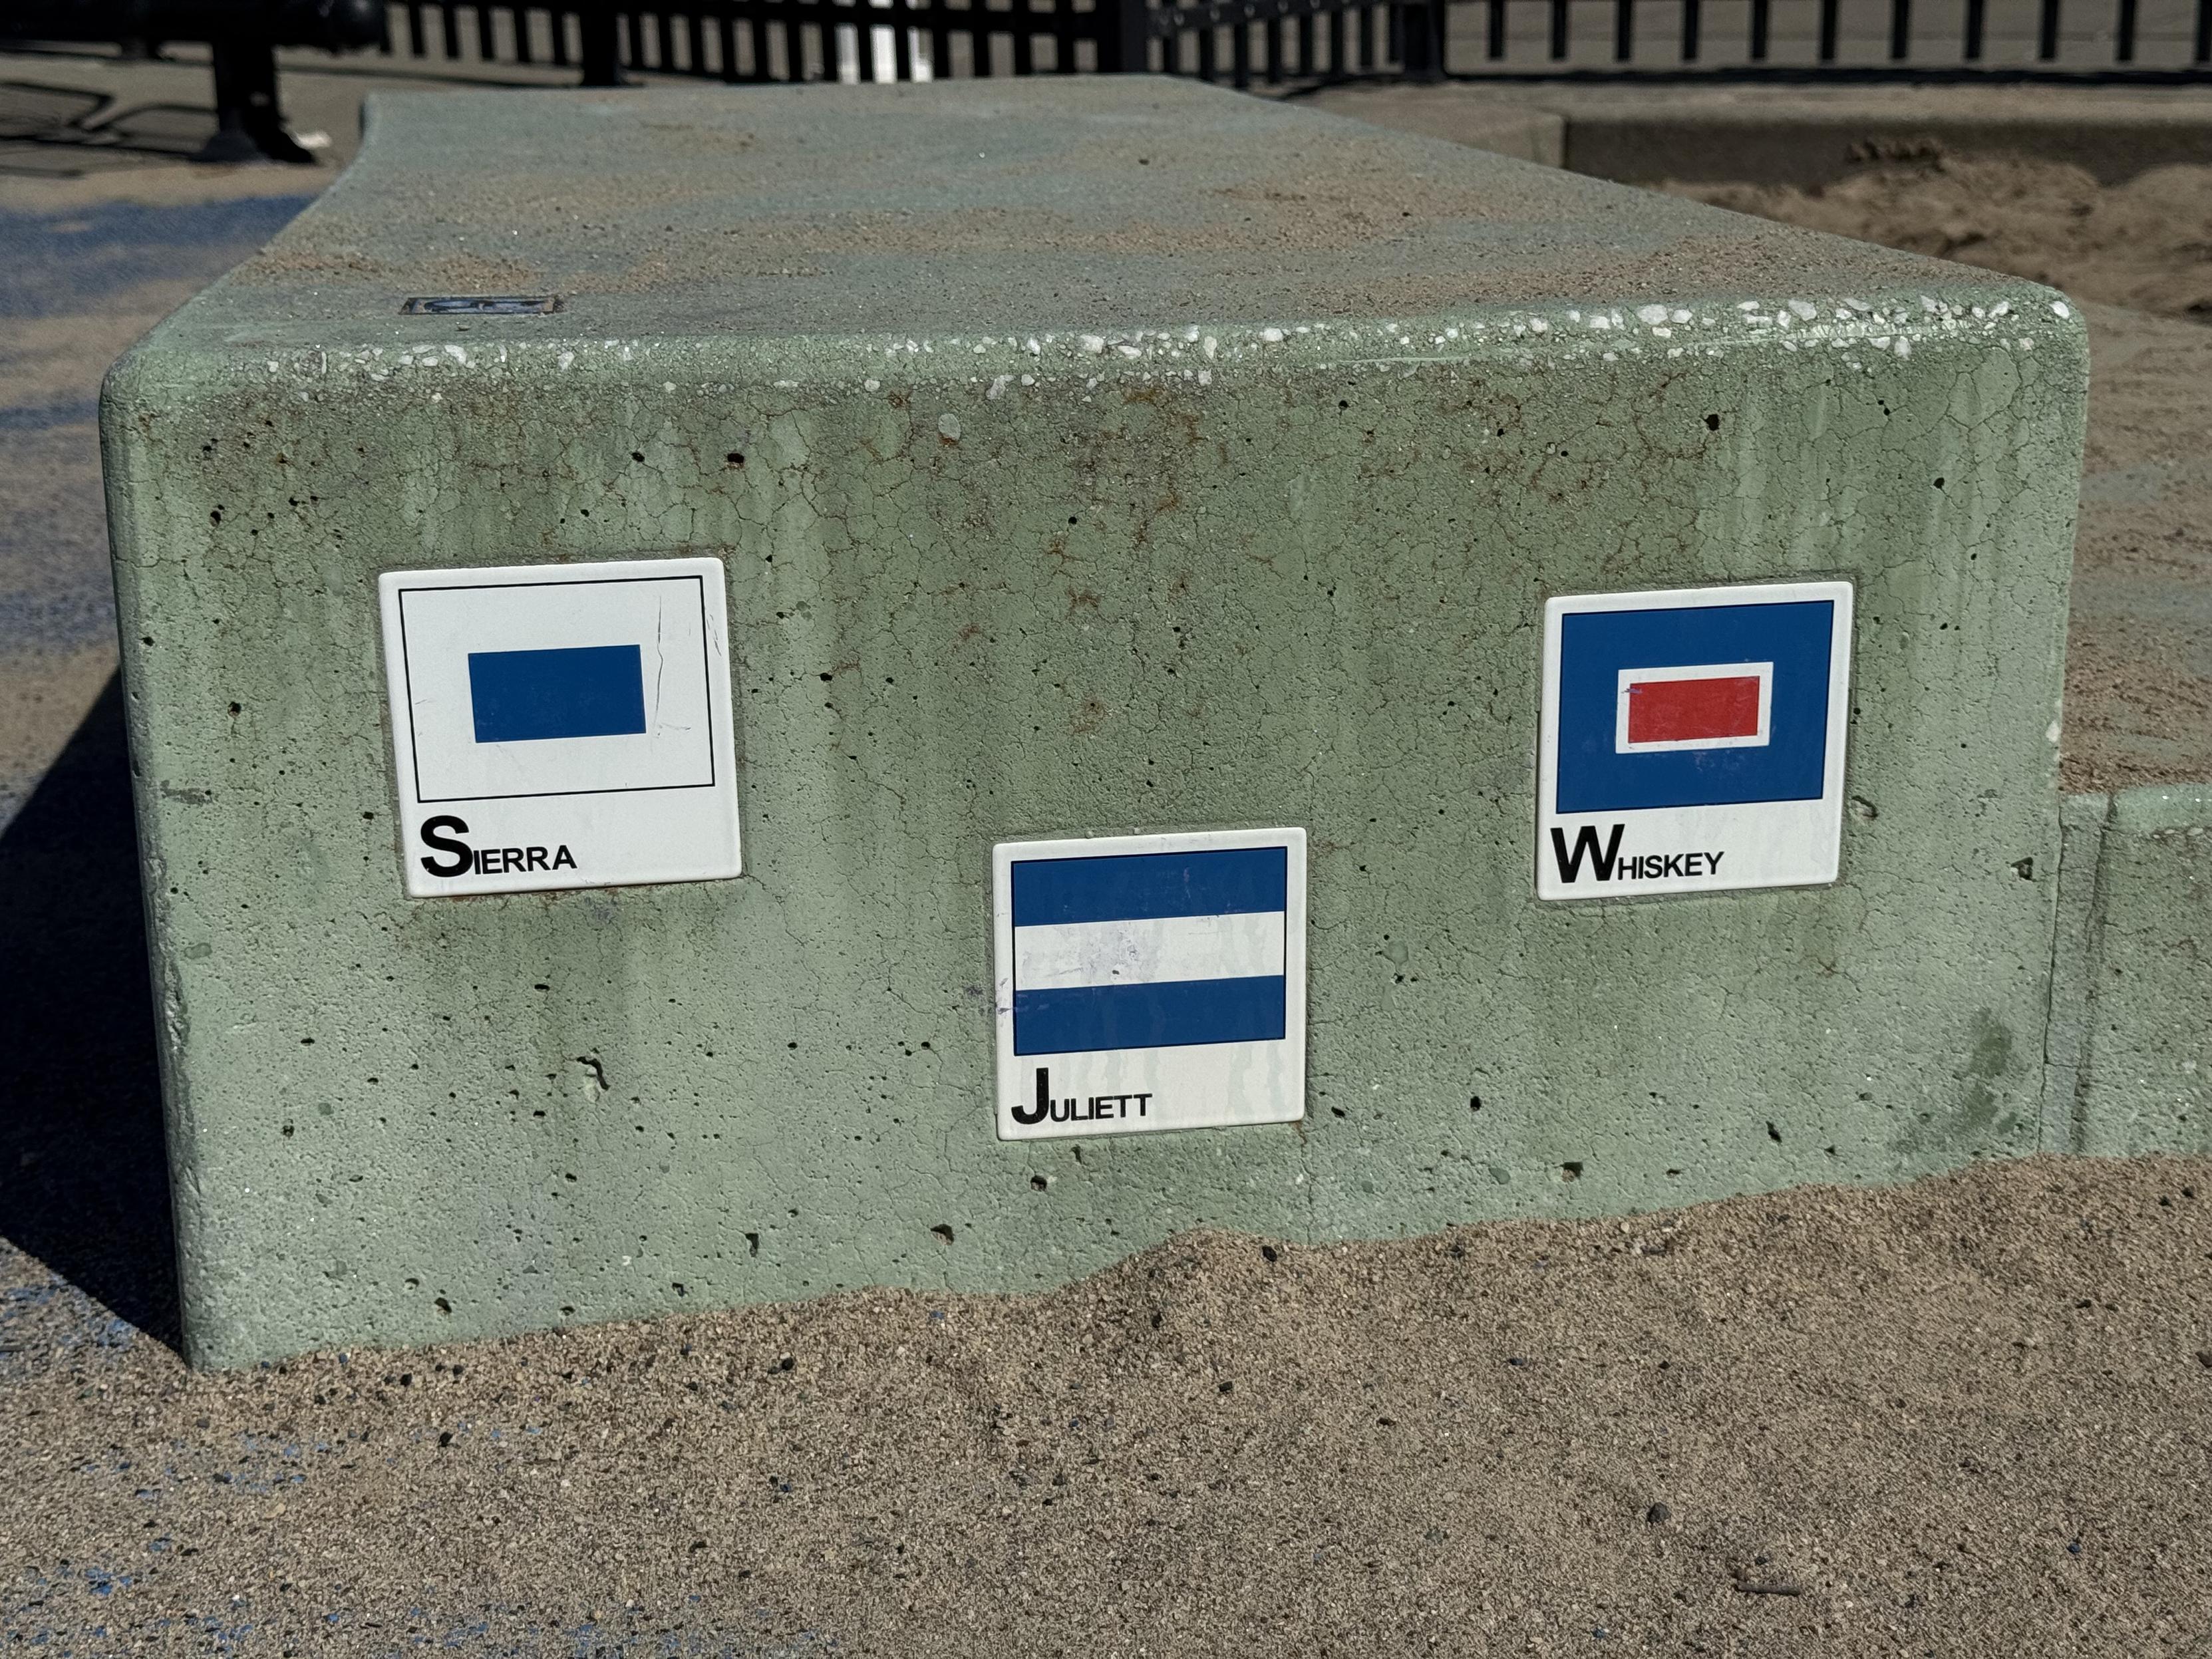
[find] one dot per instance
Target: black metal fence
(1278, 42)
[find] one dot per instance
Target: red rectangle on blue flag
(1690, 711)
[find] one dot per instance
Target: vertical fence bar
(665, 36)
(1367, 37)
(2124, 41)
(1624, 30)
(1067, 41)
(1337, 65)
(1271, 39)
(1759, 20)
(1692, 29)
(1977, 22)
(696, 40)
(1417, 35)
(2046, 32)
(756, 37)
(1827, 47)
(864, 46)
(1240, 56)
(940, 42)
(1558, 30)
(559, 19)
(1305, 42)
(449, 26)
(1900, 30)
(520, 14)
(2201, 52)
(417, 44)
(601, 48)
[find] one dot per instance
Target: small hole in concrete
(1474, 1103)
(1713, 422)
(943, 1233)
(737, 458)
(752, 1244)
(1570, 1171)
(441, 1304)
(1039, 1182)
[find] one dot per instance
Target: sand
(2146, 243)
(2139, 648)
(1970, 1417)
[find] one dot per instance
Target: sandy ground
(2139, 651)
(2146, 243)
(1968, 1418)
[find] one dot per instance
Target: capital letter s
(438, 833)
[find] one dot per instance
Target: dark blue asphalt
(70, 261)
(55, 594)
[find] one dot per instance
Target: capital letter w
(1586, 844)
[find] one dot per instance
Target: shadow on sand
(83, 1173)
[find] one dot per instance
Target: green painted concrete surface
(2132, 1022)
(1085, 456)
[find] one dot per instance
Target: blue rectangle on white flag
(1149, 950)
(571, 691)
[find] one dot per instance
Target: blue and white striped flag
(1150, 951)
(1154, 982)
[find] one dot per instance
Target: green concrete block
(1084, 456)
(2132, 1029)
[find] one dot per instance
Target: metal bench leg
(602, 45)
(250, 124)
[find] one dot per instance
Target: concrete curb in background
(1805, 136)
(2129, 1045)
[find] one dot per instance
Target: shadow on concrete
(84, 1183)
